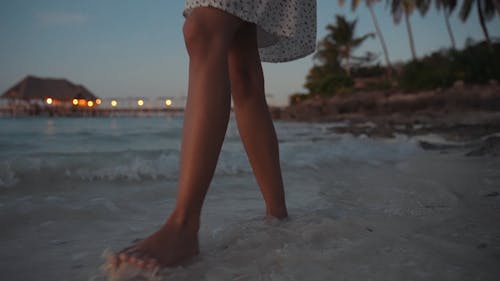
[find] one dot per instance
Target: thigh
(245, 70)
(243, 51)
(206, 21)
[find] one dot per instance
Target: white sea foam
(7, 176)
(135, 165)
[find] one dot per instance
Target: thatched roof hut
(35, 88)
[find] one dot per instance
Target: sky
(134, 48)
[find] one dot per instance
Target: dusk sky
(132, 48)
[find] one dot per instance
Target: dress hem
(245, 17)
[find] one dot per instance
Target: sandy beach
(430, 217)
(361, 208)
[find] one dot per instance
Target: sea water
(360, 208)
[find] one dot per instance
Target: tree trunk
(410, 35)
(348, 64)
(497, 6)
(381, 38)
(448, 26)
(483, 24)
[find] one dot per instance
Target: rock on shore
(469, 115)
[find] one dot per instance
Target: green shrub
(476, 64)
(323, 81)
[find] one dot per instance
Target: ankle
(184, 220)
(277, 213)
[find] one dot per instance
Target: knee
(194, 35)
(201, 38)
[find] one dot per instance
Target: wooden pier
(68, 111)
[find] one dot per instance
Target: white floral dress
(286, 29)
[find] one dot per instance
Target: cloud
(60, 18)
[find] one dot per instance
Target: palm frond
(465, 10)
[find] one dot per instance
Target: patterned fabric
(286, 29)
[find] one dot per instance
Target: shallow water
(360, 208)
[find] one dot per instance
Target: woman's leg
(208, 34)
(253, 118)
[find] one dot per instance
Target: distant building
(47, 96)
(34, 88)
(35, 96)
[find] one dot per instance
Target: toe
(151, 263)
(134, 256)
(124, 254)
(127, 254)
(148, 263)
(137, 260)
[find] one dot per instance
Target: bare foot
(169, 246)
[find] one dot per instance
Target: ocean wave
(128, 165)
(312, 154)
(161, 164)
(108, 166)
(136, 168)
(7, 175)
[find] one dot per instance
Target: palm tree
(404, 8)
(341, 37)
(334, 51)
(448, 7)
(369, 5)
(486, 10)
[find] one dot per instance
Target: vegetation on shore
(453, 92)
(338, 72)
(476, 64)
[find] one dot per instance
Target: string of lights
(128, 102)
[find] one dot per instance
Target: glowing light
(114, 103)
(82, 102)
(98, 101)
(168, 102)
(49, 101)
(75, 101)
(140, 102)
(90, 103)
